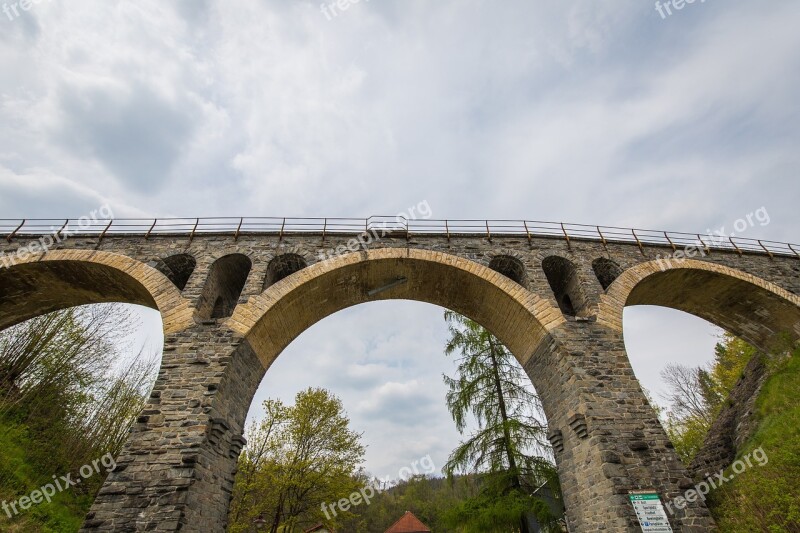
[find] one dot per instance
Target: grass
(767, 498)
(19, 476)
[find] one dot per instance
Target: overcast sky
(590, 112)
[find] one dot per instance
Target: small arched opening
(510, 267)
(224, 285)
(178, 268)
(282, 267)
(606, 271)
(562, 275)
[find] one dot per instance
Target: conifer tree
(510, 447)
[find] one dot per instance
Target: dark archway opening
(178, 268)
(510, 267)
(224, 286)
(562, 275)
(282, 267)
(606, 271)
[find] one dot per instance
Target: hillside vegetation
(754, 496)
(65, 403)
(767, 498)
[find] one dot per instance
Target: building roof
(408, 523)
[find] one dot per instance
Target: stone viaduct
(233, 295)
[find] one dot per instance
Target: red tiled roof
(408, 523)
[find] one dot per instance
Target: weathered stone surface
(558, 308)
(735, 423)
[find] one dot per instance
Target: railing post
(705, 246)
(602, 238)
(59, 232)
(147, 236)
(641, 248)
(102, 235)
(766, 250)
(194, 229)
(734, 245)
(674, 248)
(8, 239)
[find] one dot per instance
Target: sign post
(650, 512)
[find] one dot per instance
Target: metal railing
(529, 229)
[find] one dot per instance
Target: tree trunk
(512, 463)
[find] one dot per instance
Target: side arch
(60, 279)
(746, 305)
(271, 320)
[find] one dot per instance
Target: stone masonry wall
(176, 472)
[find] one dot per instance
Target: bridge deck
(394, 225)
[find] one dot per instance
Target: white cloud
(594, 112)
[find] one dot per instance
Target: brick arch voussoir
(248, 316)
(176, 313)
(613, 302)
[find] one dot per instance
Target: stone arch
(178, 268)
(271, 320)
(747, 306)
(562, 275)
(606, 271)
(282, 266)
(60, 279)
(511, 267)
(224, 285)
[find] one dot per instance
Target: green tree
(730, 358)
(297, 459)
(59, 377)
(65, 401)
(696, 394)
(510, 447)
(430, 499)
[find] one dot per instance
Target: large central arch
(519, 318)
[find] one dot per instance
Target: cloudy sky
(591, 112)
